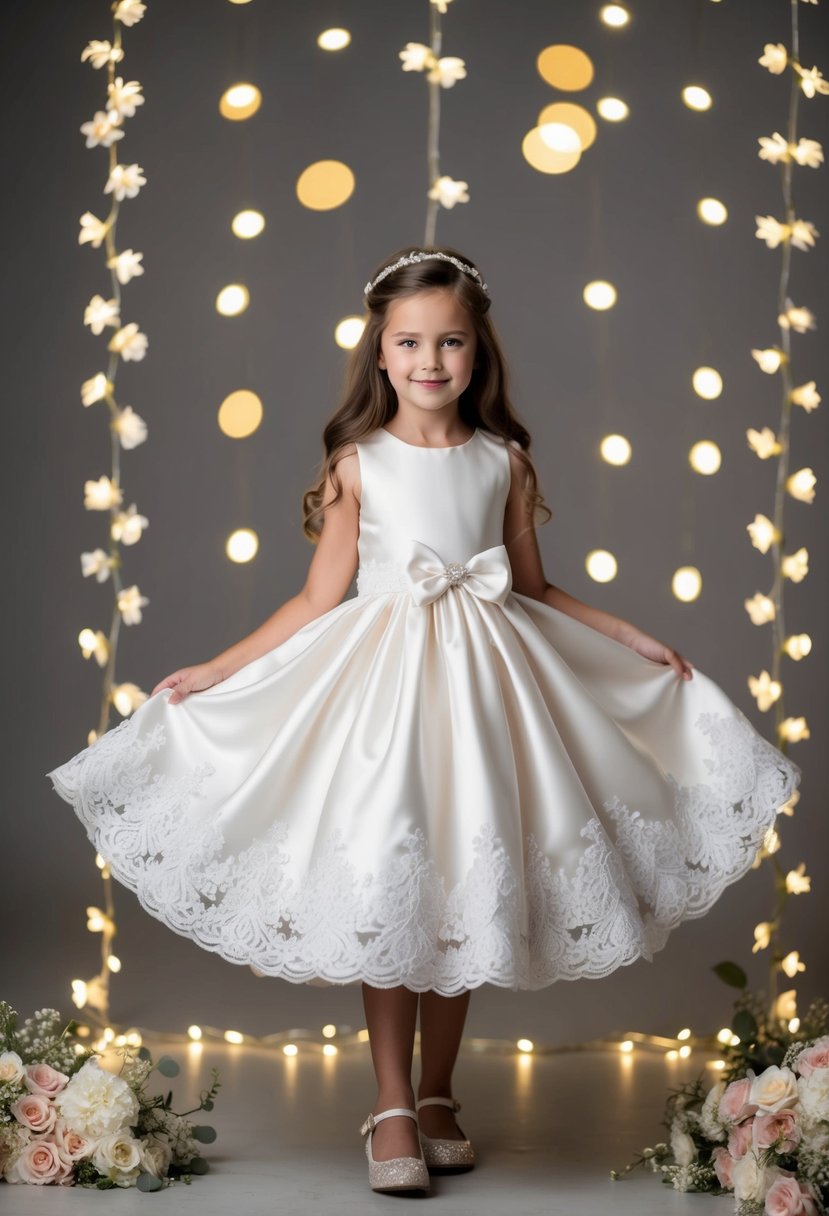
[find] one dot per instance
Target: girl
(461, 775)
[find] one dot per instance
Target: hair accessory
(417, 256)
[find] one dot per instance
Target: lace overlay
(635, 880)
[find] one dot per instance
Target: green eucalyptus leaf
(198, 1166)
(207, 1104)
(168, 1067)
(204, 1134)
(144, 1053)
(148, 1182)
(744, 1026)
(731, 974)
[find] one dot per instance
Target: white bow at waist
(486, 574)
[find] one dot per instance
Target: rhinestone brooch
(456, 573)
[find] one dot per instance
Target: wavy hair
(368, 400)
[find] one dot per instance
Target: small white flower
(796, 565)
(129, 343)
(773, 148)
(92, 230)
(764, 442)
(803, 234)
(446, 71)
(130, 603)
(416, 57)
(101, 53)
(103, 129)
(130, 427)
(94, 389)
(129, 12)
(127, 697)
(807, 396)
(11, 1068)
(100, 650)
(770, 230)
(798, 319)
(123, 98)
(760, 608)
(100, 495)
(762, 936)
(762, 532)
(118, 1157)
(765, 690)
(751, 1179)
(812, 82)
(125, 181)
(682, 1146)
(769, 359)
(99, 313)
(798, 882)
(98, 563)
(449, 192)
(128, 525)
(801, 485)
(808, 152)
(774, 57)
(127, 265)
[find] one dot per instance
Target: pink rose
(739, 1140)
(724, 1167)
(72, 1144)
(782, 1125)
(34, 1111)
(39, 1163)
(788, 1197)
(813, 1057)
(43, 1079)
(734, 1104)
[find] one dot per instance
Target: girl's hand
(189, 679)
(649, 648)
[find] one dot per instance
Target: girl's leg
(441, 1030)
(391, 1014)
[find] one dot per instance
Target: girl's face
(427, 346)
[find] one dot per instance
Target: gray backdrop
(689, 295)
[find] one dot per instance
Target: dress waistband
(426, 576)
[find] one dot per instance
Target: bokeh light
(334, 39)
(571, 115)
(348, 332)
(615, 15)
(696, 97)
(707, 383)
(612, 109)
(565, 67)
(686, 583)
(615, 449)
(599, 294)
(601, 565)
(705, 457)
(242, 545)
(325, 184)
(232, 300)
(247, 224)
(712, 211)
(543, 158)
(240, 414)
(240, 101)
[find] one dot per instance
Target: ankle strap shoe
(446, 1154)
(399, 1173)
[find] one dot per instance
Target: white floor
(547, 1131)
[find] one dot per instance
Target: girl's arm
(330, 572)
(528, 579)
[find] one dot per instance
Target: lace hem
(636, 880)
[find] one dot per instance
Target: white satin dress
(440, 782)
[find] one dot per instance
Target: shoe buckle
(368, 1125)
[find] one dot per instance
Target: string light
(333, 39)
(707, 383)
(615, 15)
(712, 211)
(601, 565)
(612, 109)
(599, 295)
(798, 646)
(615, 449)
(696, 97)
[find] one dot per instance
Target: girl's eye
(405, 340)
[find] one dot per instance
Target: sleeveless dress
(440, 782)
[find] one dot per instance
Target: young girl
(461, 775)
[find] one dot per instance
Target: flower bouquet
(761, 1135)
(66, 1120)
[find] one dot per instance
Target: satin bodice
(449, 500)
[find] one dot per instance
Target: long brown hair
(369, 401)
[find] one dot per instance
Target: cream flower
(808, 152)
(796, 565)
(11, 1068)
(788, 807)
(795, 730)
(770, 230)
(763, 443)
(765, 690)
(125, 181)
(93, 230)
(446, 71)
(785, 1007)
(682, 1146)
(813, 1092)
(96, 1102)
(99, 313)
(769, 360)
(791, 964)
(98, 563)
(774, 57)
(129, 12)
(798, 881)
(803, 234)
(100, 53)
(127, 265)
(123, 98)
(775, 1089)
(101, 495)
(417, 57)
(118, 1157)
(798, 319)
(773, 148)
(762, 936)
(760, 608)
(130, 603)
(449, 192)
(806, 395)
(751, 1179)
(762, 532)
(103, 129)
(156, 1156)
(129, 343)
(797, 646)
(128, 525)
(801, 485)
(811, 81)
(130, 427)
(127, 697)
(94, 389)
(96, 644)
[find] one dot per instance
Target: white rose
(156, 1156)
(813, 1092)
(118, 1156)
(774, 1090)
(709, 1120)
(11, 1067)
(682, 1146)
(751, 1180)
(96, 1103)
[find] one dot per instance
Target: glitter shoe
(446, 1154)
(399, 1173)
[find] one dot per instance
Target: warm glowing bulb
(247, 224)
(798, 646)
(234, 1036)
(696, 97)
(626, 1045)
(194, 1032)
(242, 545)
(685, 1051)
(801, 485)
(712, 211)
(612, 109)
(716, 1063)
(113, 962)
(601, 565)
(362, 1036)
(232, 300)
(724, 1036)
(615, 15)
(686, 584)
(348, 332)
(705, 457)
(334, 39)
(290, 1049)
(599, 295)
(615, 449)
(240, 101)
(329, 1030)
(329, 1049)
(559, 137)
(794, 1025)
(685, 1033)
(707, 383)
(673, 1054)
(100, 861)
(525, 1045)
